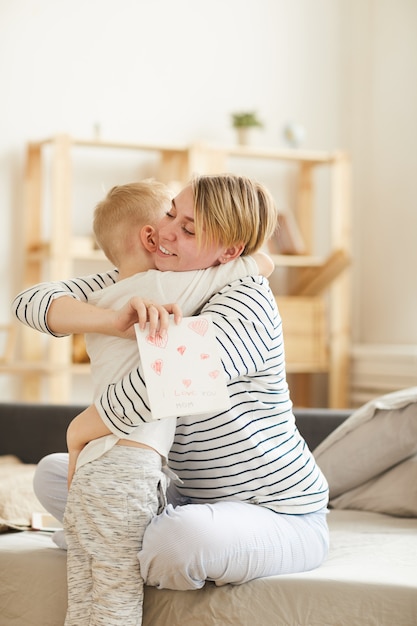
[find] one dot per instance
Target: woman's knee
(50, 483)
(174, 547)
(185, 546)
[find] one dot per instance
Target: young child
(119, 484)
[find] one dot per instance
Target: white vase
(243, 135)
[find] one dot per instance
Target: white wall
(385, 153)
(165, 71)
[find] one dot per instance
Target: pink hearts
(199, 326)
(186, 382)
(157, 366)
(204, 356)
(158, 340)
(181, 349)
(214, 373)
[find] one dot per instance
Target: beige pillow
(373, 439)
(17, 499)
(394, 492)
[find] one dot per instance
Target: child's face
(177, 248)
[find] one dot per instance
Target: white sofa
(369, 577)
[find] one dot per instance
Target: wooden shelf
(315, 308)
(294, 156)
(43, 252)
(295, 260)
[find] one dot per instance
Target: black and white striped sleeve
(31, 306)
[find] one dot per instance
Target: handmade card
(183, 370)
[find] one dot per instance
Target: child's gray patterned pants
(110, 503)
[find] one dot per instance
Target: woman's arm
(67, 315)
(62, 308)
(32, 306)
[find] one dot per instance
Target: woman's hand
(140, 311)
(67, 315)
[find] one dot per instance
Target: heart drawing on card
(199, 326)
(158, 340)
(181, 349)
(204, 356)
(186, 382)
(214, 373)
(157, 366)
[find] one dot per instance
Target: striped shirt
(254, 451)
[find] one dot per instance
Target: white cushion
(394, 492)
(373, 439)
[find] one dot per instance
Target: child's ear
(231, 253)
(147, 237)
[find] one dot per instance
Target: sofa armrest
(316, 424)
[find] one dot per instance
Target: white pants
(110, 503)
(227, 542)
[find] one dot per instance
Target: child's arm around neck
(264, 262)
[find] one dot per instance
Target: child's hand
(74, 446)
(73, 456)
(264, 262)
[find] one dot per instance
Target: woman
(252, 501)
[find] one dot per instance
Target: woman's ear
(232, 253)
(147, 237)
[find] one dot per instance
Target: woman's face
(177, 248)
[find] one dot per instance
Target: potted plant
(243, 122)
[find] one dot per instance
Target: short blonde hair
(231, 209)
(125, 209)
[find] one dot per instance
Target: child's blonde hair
(124, 211)
(233, 209)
